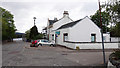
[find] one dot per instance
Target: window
(52, 36)
(65, 36)
(93, 37)
(104, 38)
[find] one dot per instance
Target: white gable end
(81, 32)
(61, 22)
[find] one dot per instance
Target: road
(18, 53)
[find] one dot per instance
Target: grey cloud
(24, 11)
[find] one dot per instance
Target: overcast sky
(25, 10)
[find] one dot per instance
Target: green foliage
(117, 53)
(39, 36)
(113, 9)
(8, 27)
(33, 32)
(115, 31)
(27, 34)
(111, 16)
(105, 20)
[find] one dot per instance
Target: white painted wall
(58, 24)
(81, 32)
(92, 45)
(48, 27)
(106, 37)
(50, 36)
(97, 45)
(61, 22)
(115, 39)
(59, 39)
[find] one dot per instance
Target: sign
(57, 32)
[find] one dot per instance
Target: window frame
(94, 37)
(65, 34)
(52, 36)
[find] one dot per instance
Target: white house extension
(83, 33)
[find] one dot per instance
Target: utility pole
(102, 33)
(34, 20)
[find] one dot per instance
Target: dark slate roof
(52, 22)
(69, 24)
(45, 28)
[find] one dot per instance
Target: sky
(25, 10)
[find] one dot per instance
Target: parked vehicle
(34, 44)
(45, 42)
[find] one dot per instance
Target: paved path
(19, 53)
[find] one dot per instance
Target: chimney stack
(55, 19)
(65, 13)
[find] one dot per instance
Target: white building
(53, 25)
(80, 31)
(83, 30)
(65, 29)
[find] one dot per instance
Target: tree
(113, 9)
(115, 31)
(33, 32)
(39, 36)
(105, 20)
(27, 34)
(8, 27)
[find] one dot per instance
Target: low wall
(97, 45)
(115, 39)
(92, 45)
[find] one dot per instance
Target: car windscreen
(44, 40)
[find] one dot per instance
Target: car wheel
(31, 45)
(52, 45)
(40, 44)
(36, 45)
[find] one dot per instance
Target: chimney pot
(66, 12)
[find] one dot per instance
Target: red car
(34, 44)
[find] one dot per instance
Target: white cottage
(65, 29)
(81, 31)
(53, 25)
